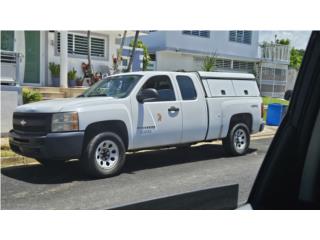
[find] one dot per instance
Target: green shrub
(30, 96)
(54, 69)
(209, 63)
(268, 100)
(72, 75)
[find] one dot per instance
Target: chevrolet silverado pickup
(139, 110)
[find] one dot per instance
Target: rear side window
(187, 89)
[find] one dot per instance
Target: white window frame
(74, 55)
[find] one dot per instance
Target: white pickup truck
(139, 110)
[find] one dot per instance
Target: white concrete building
(25, 55)
(237, 51)
(185, 50)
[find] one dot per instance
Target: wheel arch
(115, 126)
(245, 118)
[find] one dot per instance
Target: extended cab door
(194, 108)
(157, 123)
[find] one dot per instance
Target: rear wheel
(104, 155)
(238, 140)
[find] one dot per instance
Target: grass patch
(5, 148)
(9, 158)
(8, 153)
(268, 100)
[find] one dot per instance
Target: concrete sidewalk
(269, 131)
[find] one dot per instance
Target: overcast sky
(299, 39)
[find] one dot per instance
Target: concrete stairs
(57, 92)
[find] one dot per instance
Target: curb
(16, 161)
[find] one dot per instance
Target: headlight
(64, 122)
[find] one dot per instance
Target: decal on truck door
(159, 117)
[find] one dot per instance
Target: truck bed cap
(226, 75)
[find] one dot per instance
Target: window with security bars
(97, 47)
(243, 66)
(240, 36)
(273, 74)
(78, 45)
(223, 64)
(267, 73)
(280, 74)
(266, 88)
(205, 34)
(70, 43)
(279, 88)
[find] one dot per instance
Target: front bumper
(55, 146)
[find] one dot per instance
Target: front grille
(32, 123)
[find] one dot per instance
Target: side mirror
(148, 95)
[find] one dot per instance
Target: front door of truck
(158, 122)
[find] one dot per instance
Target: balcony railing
(275, 52)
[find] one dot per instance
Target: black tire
(89, 161)
(50, 163)
(231, 145)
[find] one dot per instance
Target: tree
(296, 56)
(146, 56)
(209, 63)
(118, 59)
(133, 51)
(283, 41)
(89, 50)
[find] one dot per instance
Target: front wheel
(238, 140)
(104, 156)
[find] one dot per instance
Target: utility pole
(119, 55)
(133, 51)
(89, 50)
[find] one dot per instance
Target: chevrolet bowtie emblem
(23, 122)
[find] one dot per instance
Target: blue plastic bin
(275, 114)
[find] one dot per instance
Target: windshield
(115, 86)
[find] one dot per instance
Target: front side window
(115, 86)
(187, 89)
(163, 85)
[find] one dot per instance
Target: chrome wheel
(107, 154)
(240, 140)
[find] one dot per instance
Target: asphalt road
(146, 175)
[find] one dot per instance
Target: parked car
(140, 110)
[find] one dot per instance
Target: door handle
(173, 109)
